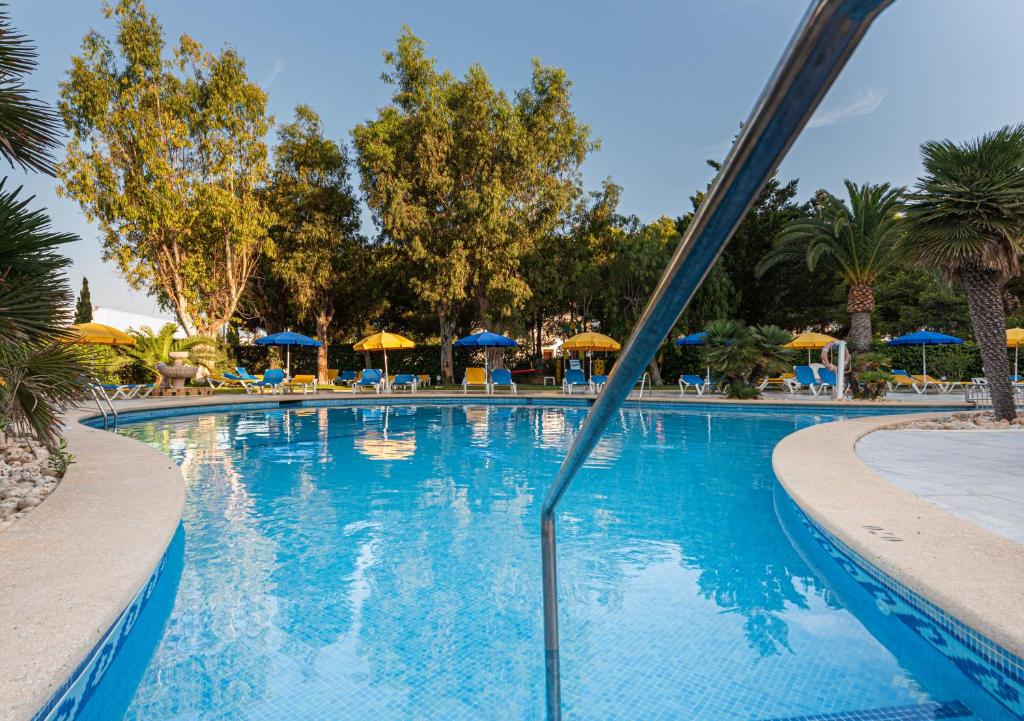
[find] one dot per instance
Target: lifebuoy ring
(826, 361)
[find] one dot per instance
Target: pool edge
(72, 569)
(969, 578)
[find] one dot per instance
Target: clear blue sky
(662, 83)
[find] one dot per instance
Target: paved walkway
(977, 475)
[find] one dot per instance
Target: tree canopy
(468, 180)
(167, 156)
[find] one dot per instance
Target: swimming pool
(382, 562)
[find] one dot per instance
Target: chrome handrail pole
(828, 34)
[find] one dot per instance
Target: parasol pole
(288, 361)
(924, 360)
(387, 383)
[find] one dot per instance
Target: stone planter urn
(175, 376)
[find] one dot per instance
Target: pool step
(915, 712)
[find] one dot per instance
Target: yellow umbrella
(810, 341)
(384, 341)
(590, 342)
(1015, 339)
(98, 334)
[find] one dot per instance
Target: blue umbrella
(692, 339)
(925, 338)
(695, 339)
(486, 339)
(288, 339)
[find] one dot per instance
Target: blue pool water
(383, 563)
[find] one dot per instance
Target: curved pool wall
(102, 686)
(986, 677)
(988, 682)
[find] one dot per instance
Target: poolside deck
(972, 474)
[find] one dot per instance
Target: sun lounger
(900, 380)
(272, 380)
(346, 378)
(424, 379)
(405, 380)
(502, 377)
(574, 378)
(828, 378)
(597, 382)
(369, 378)
(693, 381)
(307, 383)
(475, 377)
(804, 378)
(925, 381)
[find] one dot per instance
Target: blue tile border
(992, 668)
(132, 416)
(70, 698)
(916, 712)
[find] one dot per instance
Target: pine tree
(83, 306)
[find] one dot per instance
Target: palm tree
(40, 375)
(740, 354)
(155, 347)
(966, 219)
(856, 237)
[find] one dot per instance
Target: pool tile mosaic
(382, 562)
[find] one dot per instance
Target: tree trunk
(985, 302)
(655, 372)
(860, 302)
(323, 324)
(185, 319)
(447, 336)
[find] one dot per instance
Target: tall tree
(167, 157)
(320, 254)
(635, 263)
(795, 299)
(469, 180)
(83, 305)
(966, 218)
(40, 375)
(857, 238)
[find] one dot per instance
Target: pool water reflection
(383, 563)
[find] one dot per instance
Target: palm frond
(967, 210)
(29, 128)
(34, 294)
(38, 382)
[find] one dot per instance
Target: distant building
(125, 320)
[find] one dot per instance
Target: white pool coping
(71, 566)
(970, 572)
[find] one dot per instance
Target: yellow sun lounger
(475, 377)
(926, 381)
(307, 383)
(902, 381)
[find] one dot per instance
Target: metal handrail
(645, 380)
(97, 392)
(95, 397)
(828, 34)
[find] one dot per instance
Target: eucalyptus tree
(319, 253)
(167, 157)
(966, 219)
(40, 374)
(857, 238)
(468, 180)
